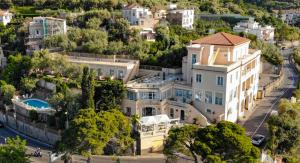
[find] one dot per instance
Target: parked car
(258, 139)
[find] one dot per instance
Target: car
(258, 139)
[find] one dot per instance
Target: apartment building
(5, 16)
(182, 17)
(264, 33)
(218, 81)
(116, 68)
(42, 27)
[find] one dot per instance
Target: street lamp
(67, 122)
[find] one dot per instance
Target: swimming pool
(36, 103)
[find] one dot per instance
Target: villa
(5, 16)
(218, 81)
(264, 33)
(42, 27)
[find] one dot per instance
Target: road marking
(286, 89)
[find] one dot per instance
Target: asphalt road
(256, 124)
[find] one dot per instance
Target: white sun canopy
(157, 119)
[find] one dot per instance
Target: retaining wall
(43, 134)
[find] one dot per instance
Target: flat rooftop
(102, 61)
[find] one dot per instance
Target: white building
(218, 81)
(136, 14)
(182, 17)
(5, 16)
(116, 68)
(42, 27)
(265, 33)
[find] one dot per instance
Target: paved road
(256, 124)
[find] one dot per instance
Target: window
(208, 97)
(120, 74)
(198, 78)
(151, 95)
(220, 80)
(111, 72)
(147, 95)
(208, 111)
(131, 95)
(198, 96)
(37, 32)
(172, 113)
(186, 94)
(179, 92)
(128, 111)
(218, 98)
(194, 58)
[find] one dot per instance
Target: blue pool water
(39, 104)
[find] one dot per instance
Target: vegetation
(269, 52)
(284, 129)
(7, 92)
(224, 141)
(14, 151)
(90, 132)
(109, 94)
(88, 88)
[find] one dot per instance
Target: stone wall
(30, 129)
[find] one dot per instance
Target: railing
(93, 55)
(149, 67)
(156, 84)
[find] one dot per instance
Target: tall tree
(87, 87)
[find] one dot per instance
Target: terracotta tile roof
(133, 5)
(3, 12)
(221, 38)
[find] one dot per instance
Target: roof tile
(221, 38)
